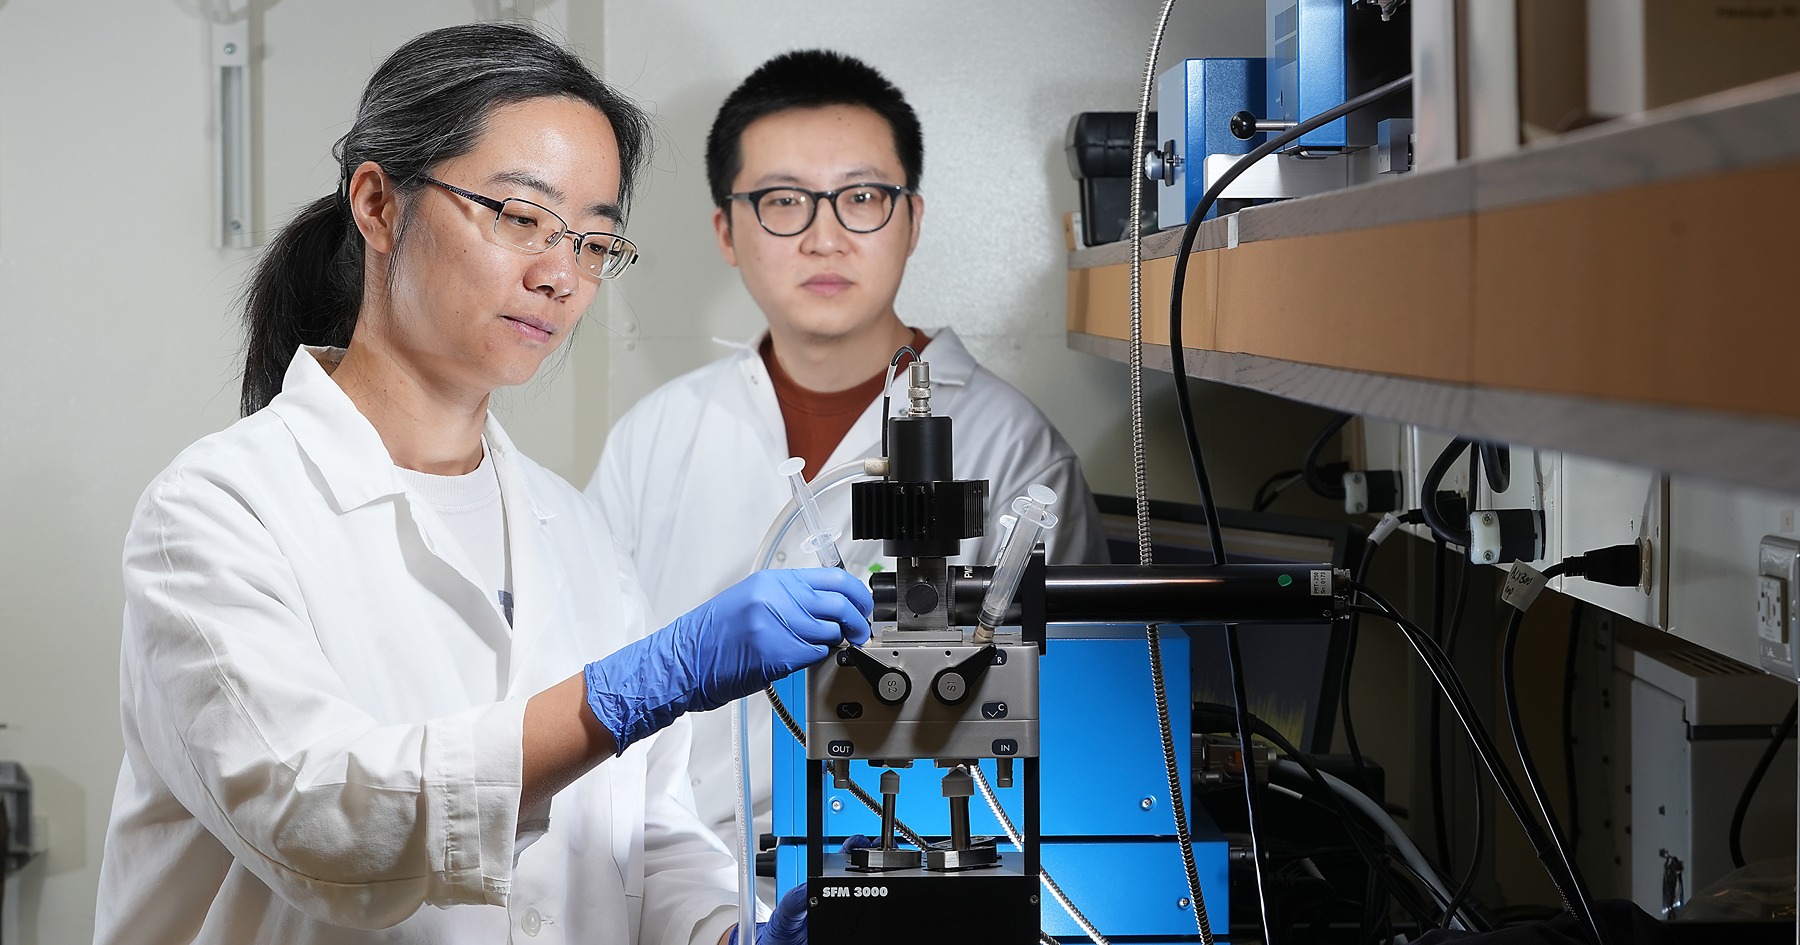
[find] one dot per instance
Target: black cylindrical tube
(919, 449)
(959, 823)
(1231, 593)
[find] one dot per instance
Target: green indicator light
(876, 568)
(1284, 580)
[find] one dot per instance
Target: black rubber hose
(1575, 894)
(1315, 478)
(1782, 733)
(1570, 657)
(1450, 532)
(1178, 279)
(1569, 884)
(1240, 701)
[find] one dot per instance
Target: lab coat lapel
(537, 572)
(759, 403)
(357, 470)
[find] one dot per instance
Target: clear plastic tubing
(740, 759)
(778, 529)
(819, 540)
(790, 513)
(1034, 519)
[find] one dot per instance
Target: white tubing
(784, 520)
(740, 710)
(740, 715)
(1373, 811)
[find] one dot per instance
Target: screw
(837, 805)
(1147, 803)
(236, 225)
(1487, 518)
(1182, 903)
(1488, 556)
(812, 900)
(230, 48)
(1034, 899)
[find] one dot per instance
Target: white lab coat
(323, 710)
(688, 485)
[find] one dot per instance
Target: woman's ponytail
(306, 290)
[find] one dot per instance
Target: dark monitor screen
(1292, 673)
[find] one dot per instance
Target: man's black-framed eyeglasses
(531, 228)
(788, 211)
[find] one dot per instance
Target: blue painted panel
(1213, 90)
(1306, 65)
(1136, 888)
(1102, 757)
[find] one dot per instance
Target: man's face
(826, 283)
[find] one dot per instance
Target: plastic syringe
(819, 540)
(1034, 517)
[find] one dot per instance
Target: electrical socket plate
(1777, 613)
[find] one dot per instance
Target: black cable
(1570, 657)
(1509, 689)
(888, 389)
(1782, 732)
(1568, 884)
(1434, 734)
(1235, 661)
(1315, 477)
(1264, 497)
(1468, 881)
(1450, 532)
(1178, 279)
(1350, 628)
(1496, 458)
(1451, 632)
(1364, 849)
(1439, 757)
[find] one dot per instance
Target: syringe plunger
(1034, 517)
(819, 539)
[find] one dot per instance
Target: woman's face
(466, 313)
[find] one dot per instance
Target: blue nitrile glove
(786, 925)
(755, 632)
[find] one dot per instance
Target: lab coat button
(531, 922)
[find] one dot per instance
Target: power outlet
(1777, 611)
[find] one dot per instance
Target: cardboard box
(1649, 53)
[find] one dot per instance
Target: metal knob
(1162, 165)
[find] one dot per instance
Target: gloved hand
(755, 632)
(786, 925)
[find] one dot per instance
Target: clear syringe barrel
(1034, 518)
(819, 539)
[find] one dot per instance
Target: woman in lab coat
(356, 623)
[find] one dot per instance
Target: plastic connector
(1387, 526)
(1497, 536)
(1619, 565)
(1374, 490)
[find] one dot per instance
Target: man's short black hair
(808, 78)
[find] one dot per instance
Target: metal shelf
(1624, 292)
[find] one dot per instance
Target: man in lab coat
(814, 164)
